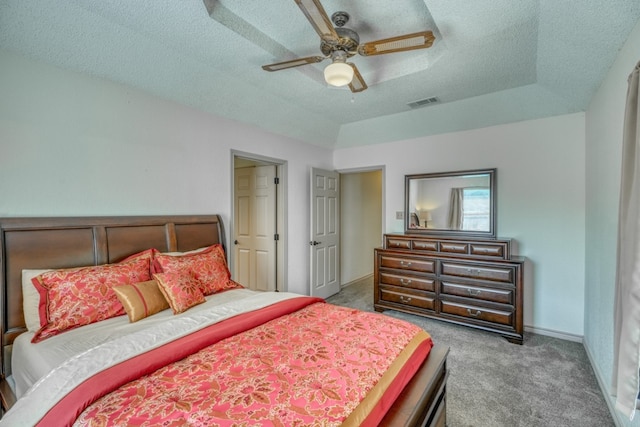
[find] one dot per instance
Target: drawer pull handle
(476, 314)
(407, 264)
(405, 282)
(473, 292)
(405, 299)
(475, 272)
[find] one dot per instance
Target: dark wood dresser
(470, 282)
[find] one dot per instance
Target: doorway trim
(281, 213)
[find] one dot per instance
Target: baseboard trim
(604, 388)
(367, 277)
(554, 334)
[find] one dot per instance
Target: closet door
(255, 227)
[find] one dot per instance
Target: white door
(325, 233)
(255, 227)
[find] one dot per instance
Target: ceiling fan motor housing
(348, 41)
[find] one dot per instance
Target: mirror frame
(491, 234)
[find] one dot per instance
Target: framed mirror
(461, 203)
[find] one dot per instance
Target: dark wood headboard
(38, 243)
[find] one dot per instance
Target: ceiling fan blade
(315, 13)
(293, 63)
(419, 40)
(357, 83)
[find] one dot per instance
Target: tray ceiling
(493, 62)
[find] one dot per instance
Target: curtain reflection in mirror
(456, 204)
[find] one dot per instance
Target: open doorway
(361, 222)
(257, 227)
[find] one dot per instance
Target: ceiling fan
(341, 43)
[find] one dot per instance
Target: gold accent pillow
(141, 300)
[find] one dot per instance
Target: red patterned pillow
(79, 296)
(208, 267)
(181, 290)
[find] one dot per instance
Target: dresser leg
(514, 340)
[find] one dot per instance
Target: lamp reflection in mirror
(425, 217)
(338, 73)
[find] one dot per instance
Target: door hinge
(276, 180)
(276, 237)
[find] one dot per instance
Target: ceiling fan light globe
(338, 74)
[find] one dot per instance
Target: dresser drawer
(479, 313)
(503, 296)
(424, 284)
(425, 245)
(494, 273)
(408, 297)
(398, 244)
(407, 263)
(491, 250)
(454, 247)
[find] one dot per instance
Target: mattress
(30, 362)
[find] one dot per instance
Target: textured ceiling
(493, 62)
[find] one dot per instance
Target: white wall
(72, 144)
(540, 195)
(604, 123)
(360, 223)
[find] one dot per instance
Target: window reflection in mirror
(475, 209)
(462, 202)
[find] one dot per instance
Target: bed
(414, 395)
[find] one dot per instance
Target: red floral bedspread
(310, 367)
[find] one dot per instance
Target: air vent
(423, 102)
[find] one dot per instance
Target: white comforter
(64, 361)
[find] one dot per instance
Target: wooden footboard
(423, 401)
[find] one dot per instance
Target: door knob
(235, 242)
(314, 243)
